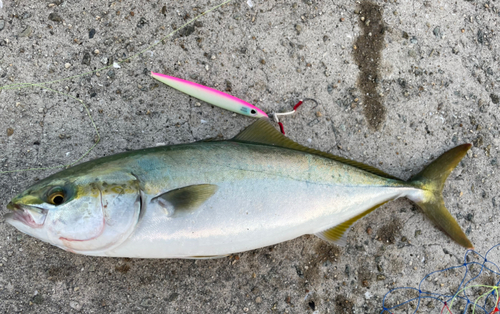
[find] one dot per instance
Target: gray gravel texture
(433, 82)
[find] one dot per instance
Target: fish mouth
(33, 217)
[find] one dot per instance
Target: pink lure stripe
(211, 96)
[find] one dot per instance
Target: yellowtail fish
(214, 198)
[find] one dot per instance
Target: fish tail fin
(432, 180)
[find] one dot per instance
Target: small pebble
(86, 58)
(2, 24)
(38, 299)
(75, 305)
(67, 65)
(495, 99)
(437, 32)
(91, 33)
(10, 131)
(258, 300)
(55, 17)
(147, 302)
(26, 32)
(197, 104)
(25, 15)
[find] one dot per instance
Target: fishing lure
(220, 99)
(211, 96)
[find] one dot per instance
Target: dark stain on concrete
(343, 305)
(323, 252)
(368, 55)
(60, 273)
(388, 233)
(123, 268)
(365, 275)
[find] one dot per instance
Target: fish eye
(56, 198)
(253, 111)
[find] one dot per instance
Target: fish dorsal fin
(185, 199)
(262, 132)
(338, 234)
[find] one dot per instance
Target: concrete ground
(396, 82)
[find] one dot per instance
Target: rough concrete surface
(393, 93)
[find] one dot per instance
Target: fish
(211, 199)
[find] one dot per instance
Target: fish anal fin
(263, 132)
(338, 234)
(185, 199)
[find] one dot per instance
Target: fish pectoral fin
(263, 132)
(338, 234)
(185, 199)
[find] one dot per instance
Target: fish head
(31, 209)
(83, 214)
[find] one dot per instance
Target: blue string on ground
(469, 297)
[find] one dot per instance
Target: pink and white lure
(211, 96)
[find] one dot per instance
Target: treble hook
(276, 115)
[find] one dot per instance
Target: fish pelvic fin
(338, 234)
(432, 180)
